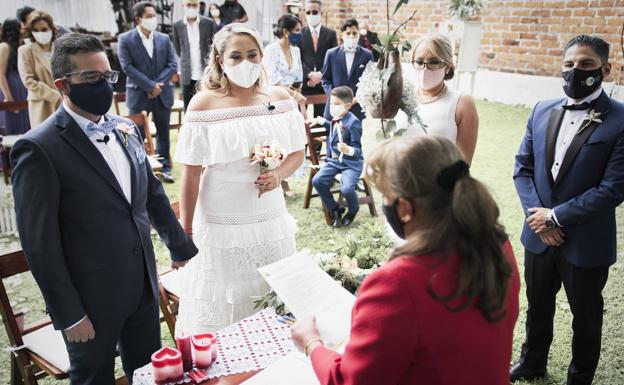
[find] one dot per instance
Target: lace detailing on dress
(225, 114)
(229, 134)
(244, 219)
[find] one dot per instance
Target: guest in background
(149, 61)
(23, 15)
(344, 157)
(192, 38)
(445, 112)
(215, 15)
(569, 176)
(345, 64)
(233, 12)
(202, 9)
(282, 58)
(316, 41)
(293, 8)
(443, 309)
(33, 63)
(368, 39)
(11, 87)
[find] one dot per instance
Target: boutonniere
(126, 131)
(591, 117)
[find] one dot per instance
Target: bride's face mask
(242, 61)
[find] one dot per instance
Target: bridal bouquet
(268, 156)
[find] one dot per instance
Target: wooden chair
(7, 141)
(314, 137)
(169, 290)
(143, 123)
(178, 107)
(37, 350)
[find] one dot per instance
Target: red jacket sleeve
(383, 336)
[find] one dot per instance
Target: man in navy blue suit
(86, 200)
(569, 175)
(149, 61)
(345, 64)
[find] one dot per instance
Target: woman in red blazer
(442, 310)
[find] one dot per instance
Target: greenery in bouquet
(464, 9)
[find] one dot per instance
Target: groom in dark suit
(569, 175)
(86, 200)
(344, 66)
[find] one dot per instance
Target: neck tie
(104, 128)
(315, 39)
(580, 107)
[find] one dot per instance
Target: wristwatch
(550, 222)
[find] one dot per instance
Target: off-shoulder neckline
(266, 105)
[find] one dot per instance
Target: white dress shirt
(349, 57)
(148, 42)
(570, 125)
(192, 31)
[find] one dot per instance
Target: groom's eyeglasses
(433, 64)
(93, 77)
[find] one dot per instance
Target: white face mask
(336, 110)
(43, 38)
(191, 13)
(150, 24)
(351, 42)
(215, 13)
(314, 20)
(294, 10)
(363, 32)
(244, 74)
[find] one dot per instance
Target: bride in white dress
(235, 230)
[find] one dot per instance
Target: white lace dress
(235, 230)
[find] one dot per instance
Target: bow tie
(350, 50)
(104, 128)
(580, 107)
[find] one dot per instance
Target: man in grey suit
(192, 38)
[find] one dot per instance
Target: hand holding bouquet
(269, 157)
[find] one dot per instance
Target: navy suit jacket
(589, 185)
(351, 136)
(87, 246)
(143, 72)
(335, 74)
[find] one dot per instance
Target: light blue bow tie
(104, 128)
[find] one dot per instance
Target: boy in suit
(345, 64)
(149, 61)
(344, 156)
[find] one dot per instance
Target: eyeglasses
(433, 64)
(93, 77)
(313, 12)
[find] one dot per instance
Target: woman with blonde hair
(33, 63)
(235, 211)
(442, 310)
(445, 112)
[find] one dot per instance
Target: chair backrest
(142, 122)
(20, 105)
(118, 97)
(11, 263)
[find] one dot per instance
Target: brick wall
(524, 37)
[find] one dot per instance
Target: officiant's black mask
(578, 83)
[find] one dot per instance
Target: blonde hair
(214, 78)
(441, 47)
(462, 218)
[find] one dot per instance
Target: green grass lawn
(501, 130)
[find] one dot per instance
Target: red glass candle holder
(184, 346)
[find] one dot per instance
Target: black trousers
(188, 91)
(544, 274)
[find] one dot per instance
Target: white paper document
(293, 368)
(307, 290)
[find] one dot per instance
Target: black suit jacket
(88, 248)
(313, 61)
(373, 39)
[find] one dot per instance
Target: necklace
(435, 98)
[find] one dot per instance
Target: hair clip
(449, 175)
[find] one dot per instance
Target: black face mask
(393, 219)
(578, 84)
(93, 98)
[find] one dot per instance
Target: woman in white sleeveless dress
(444, 112)
(235, 230)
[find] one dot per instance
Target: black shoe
(518, 371)
(337, 217)
(348, 219)
(165, 177)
